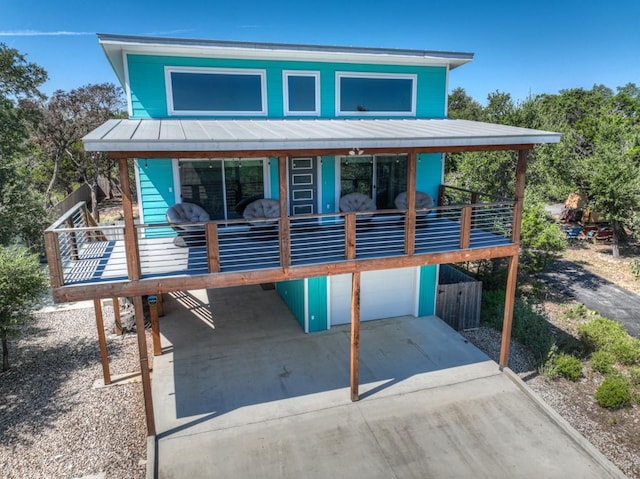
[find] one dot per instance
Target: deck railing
(80, 252)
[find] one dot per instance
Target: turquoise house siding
(149, 97)
(429, 173)
(292, 292)
(317, 303)
(427, 298)
(156, 189)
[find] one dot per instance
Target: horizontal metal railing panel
(96, 254)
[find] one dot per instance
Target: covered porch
(294, 247)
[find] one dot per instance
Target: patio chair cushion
(186, 213)
(423, 200)
(353, 202)
(262, 208)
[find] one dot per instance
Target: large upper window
(301, 93)
(375, 94)
(222, 187)
(198, 91)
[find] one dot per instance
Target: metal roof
(208, 135)
(115, 45)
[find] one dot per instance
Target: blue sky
(520, 47)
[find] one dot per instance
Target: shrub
(608, 335)
(529, 327)
(603, 361)
(614, 392)
(567, 366)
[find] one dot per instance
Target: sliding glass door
(222, 187)
(381, 177)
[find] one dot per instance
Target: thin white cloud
(36, 33)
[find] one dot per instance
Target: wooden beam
(350, 236)
(144, 366)
(465, 227)
(213, 247)
(221, 280)
(130, 233)
(410, 218)
(155, 324)
(153, 154)
(355, 335)
(509, 302)
(512, 277)
(285, 227)
(102, 340)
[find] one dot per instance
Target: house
(225, 124)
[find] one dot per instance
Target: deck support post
(102, 340)
(116, 314)
(130, 233)
(512, 277)
(144, 366)
(285, 229)
(155, 325)
(410, 218)
(355, 335)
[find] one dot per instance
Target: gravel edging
(53, 423)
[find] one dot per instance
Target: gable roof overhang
(211, 138)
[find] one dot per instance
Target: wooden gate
(459, 298)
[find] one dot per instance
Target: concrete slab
(241, 391)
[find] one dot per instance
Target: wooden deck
(242, 247)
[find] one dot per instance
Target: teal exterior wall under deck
(292, 292)
(427, 293)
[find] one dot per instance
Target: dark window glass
(302, 93)
(356, 175)
(216, 92)
(376, 95)
(222, 187)
(390, 179)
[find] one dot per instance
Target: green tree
(22, 215)
(22, 282)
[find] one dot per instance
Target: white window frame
(171, 111)
(392, 76)
(285, 85)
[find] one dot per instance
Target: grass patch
(602, 334)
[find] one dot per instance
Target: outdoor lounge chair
(573, 233)
(181, 217)
(353, 202)
(601, 234)
(423, 202)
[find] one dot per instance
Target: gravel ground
(53, 423)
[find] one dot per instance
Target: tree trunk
(5, 352)
(93, 187)
(615, 240)
(52, 183)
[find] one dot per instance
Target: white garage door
(383, 294)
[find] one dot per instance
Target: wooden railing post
(410, 218)
(350, 236)
(465, 227)
(130, 233)
(213, 247)
(73, 240)
(54, 260)
(285, 224)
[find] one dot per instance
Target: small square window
(301, 93)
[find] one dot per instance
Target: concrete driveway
(242, 392)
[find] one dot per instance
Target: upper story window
(215, 91)
(362, 94)
(301, 93)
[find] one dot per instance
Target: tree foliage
(599, 154)
(22, 283)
